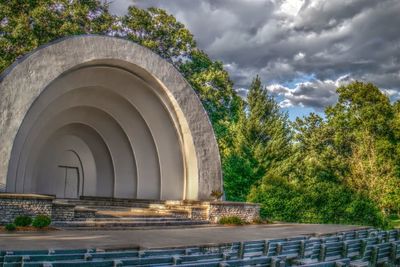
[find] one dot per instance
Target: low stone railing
(214, 210)
(246, 211)
(13, 205)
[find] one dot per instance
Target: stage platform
(161, 237)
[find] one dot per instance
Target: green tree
(341, 169)
(266, 130)
(24, 25)
(365, 136)
(159, 31)
(215, 90)
(261, 143)
(315, 149)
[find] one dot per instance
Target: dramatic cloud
(316, 93)
(286, 41)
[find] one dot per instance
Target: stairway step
(108, 214)
(147, 227)
(136, 219)
(113, 224)
(115, 202)
(132, 214)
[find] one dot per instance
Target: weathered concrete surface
(161, 237)
(22, 84)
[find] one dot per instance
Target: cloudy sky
(302, 49)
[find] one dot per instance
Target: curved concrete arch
(100, 184)
(96, 157)
(145, 156)
(161, 135)
(178, 125)
(121, 155)
(66, 150)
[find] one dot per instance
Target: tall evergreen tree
(266, 130)
(262, 142)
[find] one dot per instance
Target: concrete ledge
(63, 204)
(231, 203)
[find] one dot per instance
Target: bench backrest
(163, 252)
(332, 239)
(311, 249)
(396, 250)
(353, 248)
(167, 260)
(381, 253)
(252, 248)
(349, 235)
(393, 235)
(362, 234)
(201, 258)
(259, 261)
(332, 251)
(298, 238)
(291, 249)
(271, 247)
(106, 263)
(343, 262)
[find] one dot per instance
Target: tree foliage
(261, 142)
(24, 25)
(157, 30)
(344, 168)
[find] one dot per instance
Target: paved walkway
(158, 238)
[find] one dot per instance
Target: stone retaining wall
(13, 205)
(84, 213)
(214, 210)
(246, 211)
(63, 212)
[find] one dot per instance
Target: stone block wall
(213, 210)
(84, 213)
(246, 211)
(63, 212)
(13, 205)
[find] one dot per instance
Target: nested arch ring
(102, 116)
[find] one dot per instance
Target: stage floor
(159, 238)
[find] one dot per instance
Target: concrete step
(147, 227)
(136, 219)
(106, 214)
(124, 224)
(87, 201)
(135, 213)
(125, 209)
(108, 204)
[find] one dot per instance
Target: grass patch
(394, 220)
(231, 220)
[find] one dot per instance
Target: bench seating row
(368, 247)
